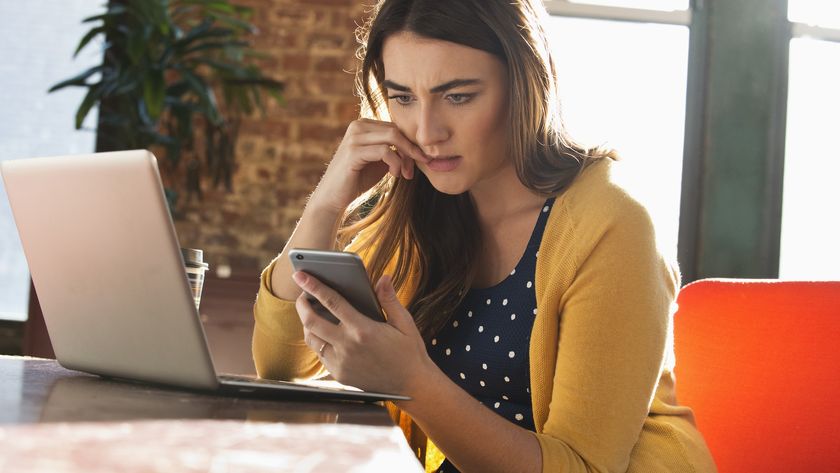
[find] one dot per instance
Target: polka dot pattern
(484, 348)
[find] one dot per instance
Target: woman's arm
(473, 438)
(365, 154)
(613, 334)
(392, 357)
(369, 149)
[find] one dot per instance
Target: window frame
(605, 12)
(804, 30)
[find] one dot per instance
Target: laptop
(107, 267)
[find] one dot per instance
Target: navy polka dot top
(484, 347)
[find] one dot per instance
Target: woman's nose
(432, 128)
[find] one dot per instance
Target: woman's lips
(444, 164)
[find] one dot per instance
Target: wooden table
(57, 420)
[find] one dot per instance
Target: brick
(333, 64)
(275, 243)
(295, 62)
(263, 174)
(322, 20)
(309, 176)
(282, 38)
(231, 217)
(290, 15)
(330, 42)
(322, 133)
(336, 85)
(266, 128)
(306, 108)
(329, 2)
(322, 159)
(347, 111)
(348, 21)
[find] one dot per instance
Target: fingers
(332, 301)
(315, 343)
(398, 316)
(398, 165)
(408, 168)
(314, 324)
(376, 132)
(381, 152)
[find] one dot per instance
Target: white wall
(37, 40)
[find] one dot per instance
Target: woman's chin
(447, 185)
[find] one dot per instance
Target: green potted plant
(164, 62)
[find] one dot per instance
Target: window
(811, 198)
(819, 13)
(623, 84)
(37, 41)
(662, 5)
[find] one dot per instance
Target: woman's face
(451, 101)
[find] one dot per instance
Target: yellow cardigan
(601, 350)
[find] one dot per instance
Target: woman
(529, 309)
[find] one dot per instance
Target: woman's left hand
(374, 356)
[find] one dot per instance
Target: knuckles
(307, 318)
(354, 125)
(394, 135)
(308, 322)
(361, 338)
(330, 301)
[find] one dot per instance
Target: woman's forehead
(414, 61)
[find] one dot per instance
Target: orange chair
(759, 363)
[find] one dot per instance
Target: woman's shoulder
(603, 194)
(602, 209)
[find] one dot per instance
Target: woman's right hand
(369, 149)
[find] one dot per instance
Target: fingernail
(299, 277)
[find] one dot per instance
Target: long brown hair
(432, 238)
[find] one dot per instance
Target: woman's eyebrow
(436, 89)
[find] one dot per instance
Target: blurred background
(725, 109)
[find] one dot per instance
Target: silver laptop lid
(106, 265)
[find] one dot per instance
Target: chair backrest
(759, 363)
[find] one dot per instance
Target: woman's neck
(502, 196)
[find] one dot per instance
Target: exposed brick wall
(280, 157)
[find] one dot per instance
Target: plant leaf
(225, 45)
(86, 38)
(87, 103)
(204, 93)
(78, 80)
(190, 35)
(154, 91)
(113, 10)
(237, 23)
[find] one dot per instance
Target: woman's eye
(459, 99)
(401, 99)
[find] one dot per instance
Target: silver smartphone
(345, 273)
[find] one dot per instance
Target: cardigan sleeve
(277, 346)
(614, 323)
